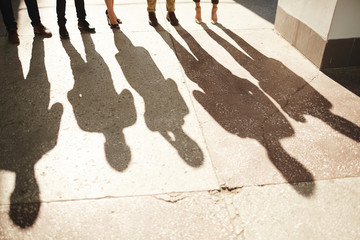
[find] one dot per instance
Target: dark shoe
(172, 18)
(83, 25)
(13, 37)
(63, 32)
(152, 19)
(114, 26)
(42, 31)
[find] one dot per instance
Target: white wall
(316, 14)
(346, 21)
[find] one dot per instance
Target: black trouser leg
(60, 10)
(80, 10)
(212, 1)
(8, 14)
(33, 11)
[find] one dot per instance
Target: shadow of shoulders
(346, 77)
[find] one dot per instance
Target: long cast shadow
(295, 96)
(165, 108)
(347, 77)
(28, 128)
(263, 8)
(96, 104)
(241, 108)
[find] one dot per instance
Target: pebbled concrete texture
(278, 212)
(191, 132)
(176, 216)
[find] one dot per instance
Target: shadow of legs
(186, 147)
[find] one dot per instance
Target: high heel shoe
(118, 19)
(198, 13)
(112, 26)
(214, 15)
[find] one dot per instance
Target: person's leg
(197, 11)
(170, 7)
(33, 11)
(112, 19)
(214, 11)
(151, 5)
(151, 8)
(9, 21)
(60, 11)
(83, 25)
(80, 10)
(8, 14)
(118, 20)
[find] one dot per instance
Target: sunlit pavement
(198, 131)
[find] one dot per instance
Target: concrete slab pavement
(191, 132)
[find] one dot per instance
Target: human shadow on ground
(165, 108)
(241, 108)
(96, 104)
(263, 8)
(295, 96)
(28, 128)
(347, 77)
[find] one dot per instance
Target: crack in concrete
(226, 188)
(170, 198)
(225, 195)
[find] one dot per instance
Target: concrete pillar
(327, 32)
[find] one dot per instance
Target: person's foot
(42, 31)
(13, 36)
(63, 32)
(118, 20)
(83, 25)
(198, 15)
(172, 18)
(152, 19)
